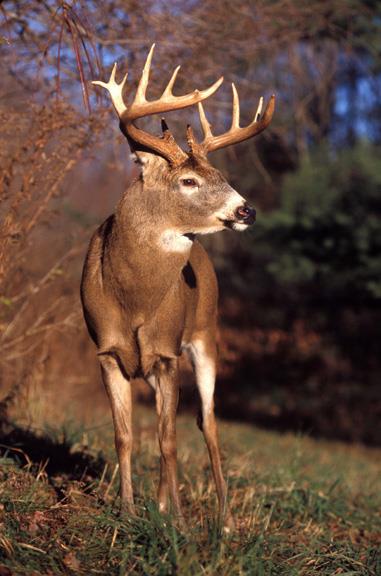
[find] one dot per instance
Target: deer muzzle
(245, 214)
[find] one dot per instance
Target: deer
(149, 290)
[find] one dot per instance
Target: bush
(326, 237)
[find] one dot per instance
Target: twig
(30, 547)
(114, 536)
(111, 481)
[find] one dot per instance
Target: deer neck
(147, 254)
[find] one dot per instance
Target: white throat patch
(174, 241)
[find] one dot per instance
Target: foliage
(325, 239)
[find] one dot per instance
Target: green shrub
(324, 241)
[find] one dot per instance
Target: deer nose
(246, 214)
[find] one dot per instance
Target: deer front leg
(119, 392)
(167, 395)
(203, 355)
(162, 493)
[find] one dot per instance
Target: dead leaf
(72, 562)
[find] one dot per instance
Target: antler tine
(115, 90)
(204, 122)
(168, 90)
(259, 110)
(235, 115)
(140, 96)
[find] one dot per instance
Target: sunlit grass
(301, 507)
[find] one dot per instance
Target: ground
(301, 506)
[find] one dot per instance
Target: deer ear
(141, 158)
(149, 162)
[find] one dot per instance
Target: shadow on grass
(59, 457)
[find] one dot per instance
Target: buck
(149, 290)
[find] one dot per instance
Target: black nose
(246, 214)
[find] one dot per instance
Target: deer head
(181, 187)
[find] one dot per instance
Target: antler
(235, 134)
(166, 146)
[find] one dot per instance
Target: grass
(302, 507)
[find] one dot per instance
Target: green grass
(302, 507)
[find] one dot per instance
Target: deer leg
(162, 493)
(167, 400)
(204, 361)
(119, 392)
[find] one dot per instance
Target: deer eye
(190, 182)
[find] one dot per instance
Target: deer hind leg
(118, 388)
(167, 396)
(203, 356)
